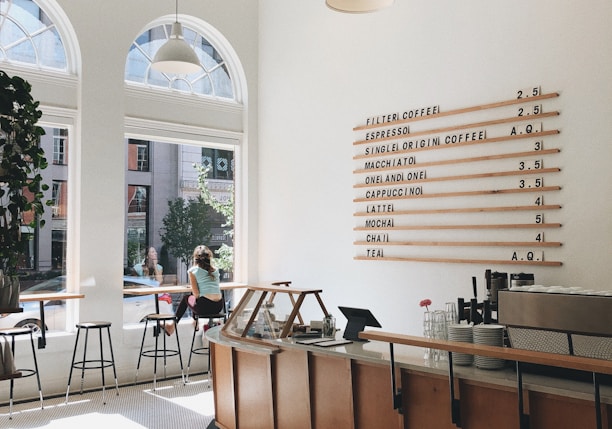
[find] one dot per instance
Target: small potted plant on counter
(21, 184)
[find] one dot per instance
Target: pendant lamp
(176, 56)
(357, 6)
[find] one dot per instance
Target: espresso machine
(486, 311)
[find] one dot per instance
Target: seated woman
(206, 297)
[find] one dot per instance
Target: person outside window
(153, 270)
(150, 267)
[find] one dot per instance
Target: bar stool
(12, 333)
(164, 352)
(87, 364)
(203, 350)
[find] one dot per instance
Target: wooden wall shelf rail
(523, 154)
(460, 261)
(487, 140)
(461, 177)
(462, 127)
(462, 110)
(466, 243)
(438, 227)
(585, 364)
(463, 210)
(462, 194)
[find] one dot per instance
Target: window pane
(213, 80)
(50, 49)
(44, 264)
(138, 207)
(60, 146)
(27, 35)
(168, 215)
(138, 155)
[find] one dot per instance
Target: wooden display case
(260, 314)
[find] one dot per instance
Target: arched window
(213, 80)
(28, 36)
(174, 142)
(32, 47)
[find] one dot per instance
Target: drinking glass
(451, 312)
(428, 319)
(439, 332)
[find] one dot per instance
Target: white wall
(323, 73)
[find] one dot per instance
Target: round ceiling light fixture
(358, 6)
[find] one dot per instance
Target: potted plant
(21, 184)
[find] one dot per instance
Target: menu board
(478, 184)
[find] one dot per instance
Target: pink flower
(425, 303)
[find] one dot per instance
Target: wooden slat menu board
(478, 184)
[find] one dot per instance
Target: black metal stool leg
(191, 349)
(36, 369)
(155, 358)
(178, 347)
(12, 381)
(144, 334)
(76, 342)
(166, 352)
(102, 366)
(84, 360)
(210, 325)
(110, 344)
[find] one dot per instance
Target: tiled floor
(172, 405)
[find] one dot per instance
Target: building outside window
(137, 222)
(46, 255)
(60, 140)
(138, 155)
(219, 162)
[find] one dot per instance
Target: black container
(521, 279)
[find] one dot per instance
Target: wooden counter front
(281, 385)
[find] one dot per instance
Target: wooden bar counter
(278, 383)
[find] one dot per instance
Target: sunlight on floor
(100, 420)
(201, 403)
(172, 404)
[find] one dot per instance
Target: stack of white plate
(490, 335)
(463, 333)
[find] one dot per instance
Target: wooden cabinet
(426, 401)
(558, 412)
(282, 385)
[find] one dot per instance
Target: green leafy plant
(21, 161)
(225, 254)
(186, 225)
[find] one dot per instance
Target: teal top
(206, 283)
(140, 271)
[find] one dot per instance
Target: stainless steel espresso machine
(486, 311)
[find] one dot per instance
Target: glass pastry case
(271, 312)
